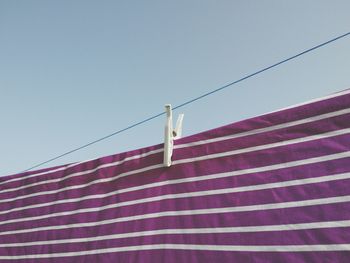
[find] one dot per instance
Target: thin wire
(193, 100)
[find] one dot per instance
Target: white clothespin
(171, 134)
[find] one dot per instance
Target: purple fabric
(277, 187)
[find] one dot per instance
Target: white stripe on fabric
(38, 174)
(207, 211)
(266, 129)
(76, 173)
(230, 190)
(265, 146)
(278, 248)
(192, 231)
(188, 160)
(190, 179)
(334, 95)
(238, 135)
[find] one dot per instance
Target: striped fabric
(275, 188)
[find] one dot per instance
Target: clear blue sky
(74, 71)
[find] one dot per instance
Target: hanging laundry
(274, 188)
